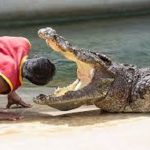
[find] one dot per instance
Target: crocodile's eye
(41, 97)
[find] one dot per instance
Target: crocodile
(110, 86)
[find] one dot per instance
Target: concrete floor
(85, 128)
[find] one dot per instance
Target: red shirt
(13, 53)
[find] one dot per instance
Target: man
(14, 66)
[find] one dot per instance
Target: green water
(125, 40)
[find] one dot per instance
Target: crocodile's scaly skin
(112, 87)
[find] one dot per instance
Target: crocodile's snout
(46, 33)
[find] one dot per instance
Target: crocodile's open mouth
(85, 74)
(92, 77)
(85, 71)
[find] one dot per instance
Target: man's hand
(14, 98)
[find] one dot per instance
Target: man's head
(39, 71)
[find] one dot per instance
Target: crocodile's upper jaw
(87, 73)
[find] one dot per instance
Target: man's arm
(4, 87)
(13, 97)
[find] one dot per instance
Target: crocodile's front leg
(117, 97)
(140, 96)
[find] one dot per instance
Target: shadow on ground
(79, 117)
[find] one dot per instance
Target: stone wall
(29, 9)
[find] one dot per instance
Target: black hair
(39, 71)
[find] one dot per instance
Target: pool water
(125, 40)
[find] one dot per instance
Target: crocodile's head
(93, 78)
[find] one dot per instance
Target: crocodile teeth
(58, 88)
(78, 86)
